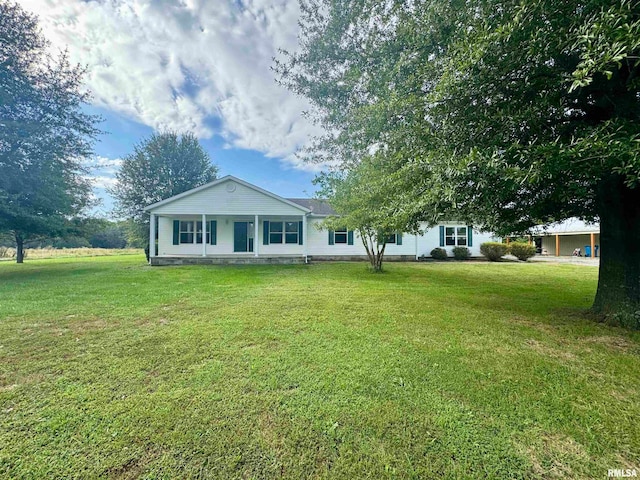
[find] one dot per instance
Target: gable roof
(218, 182)
(316, 206)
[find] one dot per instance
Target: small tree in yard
(160, 167)
(44, 134)
(364, 206)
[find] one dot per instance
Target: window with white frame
(340, 235)
(391, 238)
(187, 231)
(456, 236)
(275, 232)
(291, 232)
(199, 233)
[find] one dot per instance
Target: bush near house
(493, 251)
(522, 250)
(461, 253)
(439, 254)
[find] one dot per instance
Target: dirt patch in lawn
(554, 455)
(546, 350)
(616, 343)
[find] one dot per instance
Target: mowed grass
(111, 368)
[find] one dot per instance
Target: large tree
(44, 134)
(509, 114)
(160, 167)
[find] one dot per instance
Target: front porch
(227, 239)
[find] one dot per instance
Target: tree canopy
(45, 136)
(160, 167)
(360, 197)
(508, 114)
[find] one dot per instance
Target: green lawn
(111, 368)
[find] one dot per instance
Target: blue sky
(121, 133)
(189, 65)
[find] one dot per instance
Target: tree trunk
(19, 248)
(376, 265)
(618, 295)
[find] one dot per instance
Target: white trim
(148, 208)
(204, 235)
(152, 235)
(256, 236)
(304, 238)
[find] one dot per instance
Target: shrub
(461, 253)
(439, 254)
(494, 251)
(522, 251)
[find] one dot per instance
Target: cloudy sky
(190, 65)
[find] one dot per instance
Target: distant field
(8, 254)
(111, 368)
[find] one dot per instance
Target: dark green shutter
(469, 236)
(332, 237)
(399, 238)
(176, 232)
(213, 234)
(350, 237)
(442, 235)
(265, 232)
(300, 233)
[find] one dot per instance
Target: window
(456, 236)
(199, 233)
(275, 232)
(291, 232)
(340, 235)
(186, 232)
(391, 238)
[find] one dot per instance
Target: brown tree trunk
(379, 256)
(618, 294)
(19, 248)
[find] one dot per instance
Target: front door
(243, 237)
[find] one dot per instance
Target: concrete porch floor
(248, 259)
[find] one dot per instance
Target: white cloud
(103, 182)
(182, 64)
(102, 171)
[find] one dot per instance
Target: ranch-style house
(232, 221)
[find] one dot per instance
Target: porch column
(304, 238)
(152, 235)
(256, 243)
(593, 245)
(557, 245)
(204, 235)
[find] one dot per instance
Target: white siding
(219, 200)
(224, 244)
(317, 240)
(430, 239)
(426, 241)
